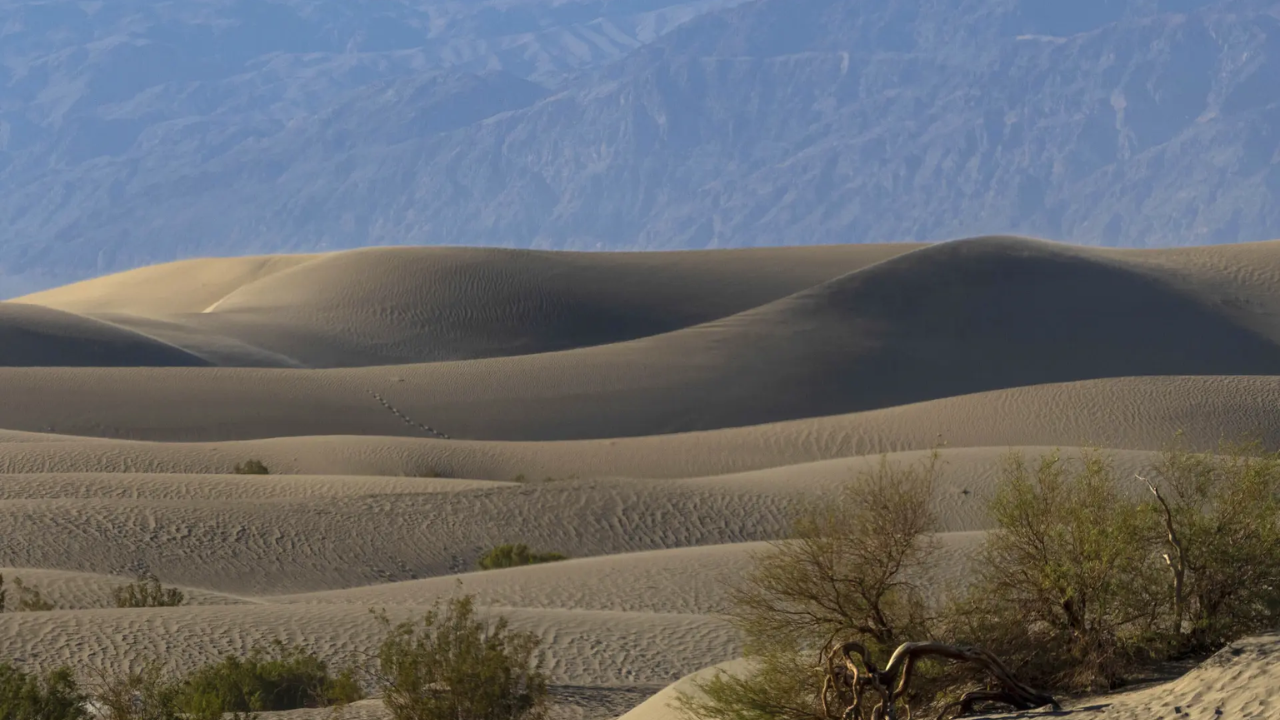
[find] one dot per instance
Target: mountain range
(137, 132)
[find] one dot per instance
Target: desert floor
(655, 416)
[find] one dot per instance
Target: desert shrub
(506, 556)
(1085, 578)
(1220, 523)
(146, 592)
(55, 696)
(145, 695)
(29, 598)
(851, 570)
(454, 665)
(252, 467)
(280, 679)
(1068, 585)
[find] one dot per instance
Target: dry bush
(852, 570)
(146, 592)
(454, 665)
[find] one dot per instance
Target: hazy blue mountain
(141, 132)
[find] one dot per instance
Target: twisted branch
(1177, 561)
(891, 684)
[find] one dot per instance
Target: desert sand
(657, 417)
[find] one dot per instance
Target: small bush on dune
(146, 592)
(456, 666)
(282, 679)
(252, 467)
(55, 696)
(506, 556)
(29, 598)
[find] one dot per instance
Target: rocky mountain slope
(133, 134)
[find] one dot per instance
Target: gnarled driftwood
(847, 682)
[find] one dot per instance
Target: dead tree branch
(1176, 561)
(848, 683)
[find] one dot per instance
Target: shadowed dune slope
(166, 405)
(398, 305)
(33, 335)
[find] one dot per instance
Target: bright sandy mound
(659, 417)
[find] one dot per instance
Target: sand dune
(272, 535)
(942, 321)
(397, 305)
(658, 417)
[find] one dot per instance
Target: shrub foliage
(55, 696)
(146, 592)
(252, 467)
(505, 556)
(1086, 577)
(454, 665)
(282, 678)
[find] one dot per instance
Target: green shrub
(455, 666)
(146, 592)
(851, 570)
(1086, 578)
(1068, 584)
(506, 556)
(53, 697)
(282, 679)
(1220, 534)
(252, 467)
